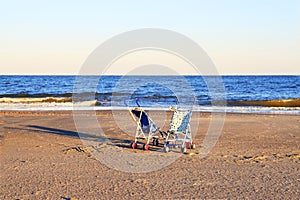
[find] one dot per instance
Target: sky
(240, 36)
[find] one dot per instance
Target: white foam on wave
(47, 106)
(90, 105)
(36, 100)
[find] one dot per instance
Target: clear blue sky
(241, 36)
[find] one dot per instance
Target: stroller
(179, 132)
(146, 128)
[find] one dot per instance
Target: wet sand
(42, 157)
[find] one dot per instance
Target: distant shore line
(62, 100)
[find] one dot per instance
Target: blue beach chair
(146, 128)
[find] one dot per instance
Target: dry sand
(42, 157)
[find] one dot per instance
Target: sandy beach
(42, 157)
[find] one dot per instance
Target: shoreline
(11, 112)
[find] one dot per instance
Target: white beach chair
(179, 132)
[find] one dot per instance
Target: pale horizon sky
(241, 37)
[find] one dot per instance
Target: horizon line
(246, 74)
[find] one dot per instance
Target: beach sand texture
(42, 157)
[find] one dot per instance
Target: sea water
(237, 94)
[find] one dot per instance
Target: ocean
(241, 94)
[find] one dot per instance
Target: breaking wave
(269, 103)
(8, 102)
(35, 100)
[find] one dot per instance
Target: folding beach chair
(179, 132)
(146, 128)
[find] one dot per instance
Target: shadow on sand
(123, 143)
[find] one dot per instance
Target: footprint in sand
(262, 158)
(76, 149)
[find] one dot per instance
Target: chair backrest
(145, 121)
(142, 116)
(180, 120)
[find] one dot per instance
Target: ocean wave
(47, 101)
(38, 95)
(35, 100)
(269, 103)
(48, 95)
